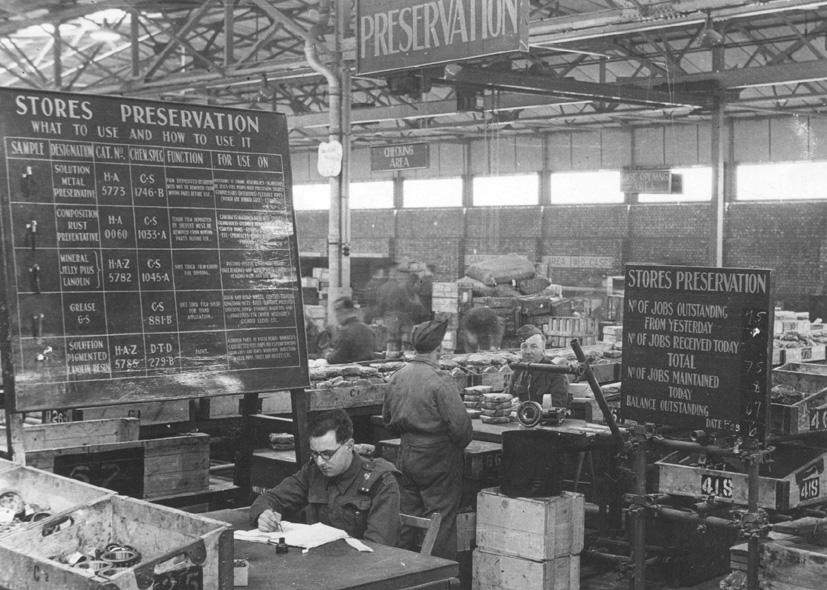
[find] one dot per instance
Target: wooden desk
(337, 566)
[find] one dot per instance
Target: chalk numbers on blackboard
(755, 324)
(756, 321)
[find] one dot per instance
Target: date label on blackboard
(191, 578)
(716, 485)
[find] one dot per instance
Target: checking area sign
(401, 34)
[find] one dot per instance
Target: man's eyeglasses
(325, 455)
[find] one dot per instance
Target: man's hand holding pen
(269, 521)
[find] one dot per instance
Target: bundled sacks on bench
(501, 269)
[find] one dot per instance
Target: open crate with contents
(125, 543)
(29, 495)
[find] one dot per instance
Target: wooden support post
(15, 440)
(244, 455)
(300, 402)
(639, 519)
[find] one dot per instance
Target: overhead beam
(525, 82)
(423, 110)
(661, 15)
(787, 73)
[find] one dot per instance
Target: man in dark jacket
(354, 340)
(423, 406)
(533, 385)
(342, 489)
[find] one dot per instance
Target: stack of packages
(504, 282)
(496, 408)
(473, 397)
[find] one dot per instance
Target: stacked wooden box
(560, 331)
(107, 453)
(785, 561)
(449, 299)
(527, 543)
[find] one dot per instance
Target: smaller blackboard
(696, 348)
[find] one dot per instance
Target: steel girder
(590, 63)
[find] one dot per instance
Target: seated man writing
(342, 489)
(533, 385)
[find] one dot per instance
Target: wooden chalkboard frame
(697, 348)
(92, 171)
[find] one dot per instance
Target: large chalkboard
(149, 251)
(696, 348)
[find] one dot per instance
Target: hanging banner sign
(646, 181)
(400, 34)
(696, 348)
(604, 262)
(400, 157)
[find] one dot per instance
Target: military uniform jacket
(353, 342)
(364, 500)
(423, 400)
(532, 385)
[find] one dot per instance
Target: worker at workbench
(354, 339)
(342, 489)
(533, 385)
(423, 407)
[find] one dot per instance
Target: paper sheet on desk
(295, 535)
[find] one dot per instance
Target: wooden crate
(570, 327)
(803, 415)
(791, 480)
(143, 469)
(530, 528)
(805, 377)
(790, 325)
(229, 406)
(492, 571)
(204, 548)
(269, 467)
(163, 412)
(72, 434)
(786, 562)
(347, 397)
(49, 492)
(534, 305)
(466, 531)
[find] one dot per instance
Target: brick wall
(789, 238)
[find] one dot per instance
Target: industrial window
(311, 197)
(432, 192)
(782, 181)
(506, 191)
(696, 185)
(371, 195)
(577, 188)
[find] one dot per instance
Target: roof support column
(718, 138)
(57, 49)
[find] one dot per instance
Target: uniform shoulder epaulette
(374, 472)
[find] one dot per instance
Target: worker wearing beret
(339, 487)
(533, 385)
(423, 406)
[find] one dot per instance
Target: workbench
(337, 566)
(494, 432)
